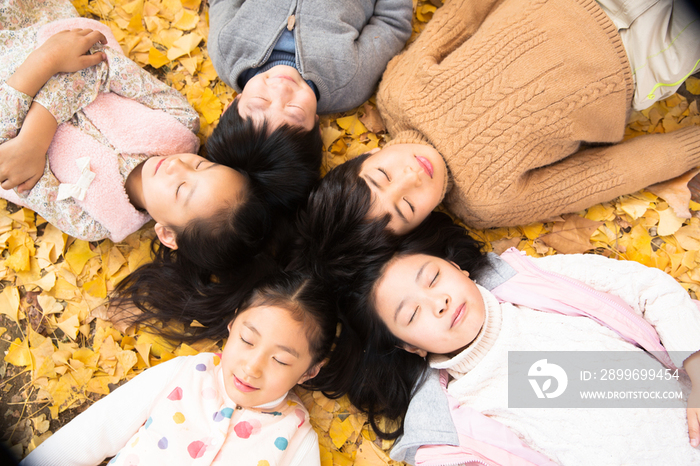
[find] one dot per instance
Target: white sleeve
(652, 294)
(308, 453)
(105, 427)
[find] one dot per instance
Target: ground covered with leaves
(59, 353)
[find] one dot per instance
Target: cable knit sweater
(508, 91)
(582, 436)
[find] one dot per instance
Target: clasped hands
(22, 159)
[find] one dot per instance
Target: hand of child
(21, 164)
(67, 51)
(693, 413)
(63, 52)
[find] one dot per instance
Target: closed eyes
(409, 205)
(385, 173)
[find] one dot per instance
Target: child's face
(407, 182)
(266, 354)
(429, 304)
(279, 95)
(181, 187)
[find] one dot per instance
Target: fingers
(95, 37)
(91, 35)
(28, 185)
(94, 59)
(8, 184)
(693, 427)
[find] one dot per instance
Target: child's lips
(425, 163)
(284, 76)
(242, 386)
(459, 313)
(158, 165)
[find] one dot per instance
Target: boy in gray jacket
(289, 59)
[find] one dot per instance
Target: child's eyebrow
(252, 329)
(374, 183)
(289, 350)
(401, 304)
(194, 188)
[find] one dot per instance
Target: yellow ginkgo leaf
(9, 302)
(185, 20)
(210, 106)
(425, 12)
(19, 353)
(352, 125)
(133, 8)
(190, 64)
(156, 58)
(70, 326)
(184, 45)
(97, 287)
(669, 223)
(692, 85)
(191, 4)
(634, 207)
(78, 254)
(167, 37)
(207, 72)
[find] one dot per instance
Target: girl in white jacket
(230, 408)
(416, 306)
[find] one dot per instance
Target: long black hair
(230, 251)
(334, 226)
(368, 363)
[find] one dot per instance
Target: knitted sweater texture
(519, 98)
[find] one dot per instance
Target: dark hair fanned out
(238, 243)
(368, 363)
(335, 235)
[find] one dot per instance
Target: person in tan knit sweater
(519, 107)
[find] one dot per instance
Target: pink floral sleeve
(14, 106)
(67, 93)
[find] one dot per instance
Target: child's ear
(166, 235)
(311, 373)
(459, 268)
(414, 349)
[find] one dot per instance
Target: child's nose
(253, 367)
(281, 89)
(410, 177)
(174, 166)
(442, 303)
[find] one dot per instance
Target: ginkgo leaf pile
(60, 355)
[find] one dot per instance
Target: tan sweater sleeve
(584, 178)
(452, 24)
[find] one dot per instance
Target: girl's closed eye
(280, 362)
(385, 173)
(177, 191)
(435, 278)
(409, 205)
(246, 341)
(415, 311)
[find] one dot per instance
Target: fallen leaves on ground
(60, 355)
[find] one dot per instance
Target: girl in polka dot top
(230, 408)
